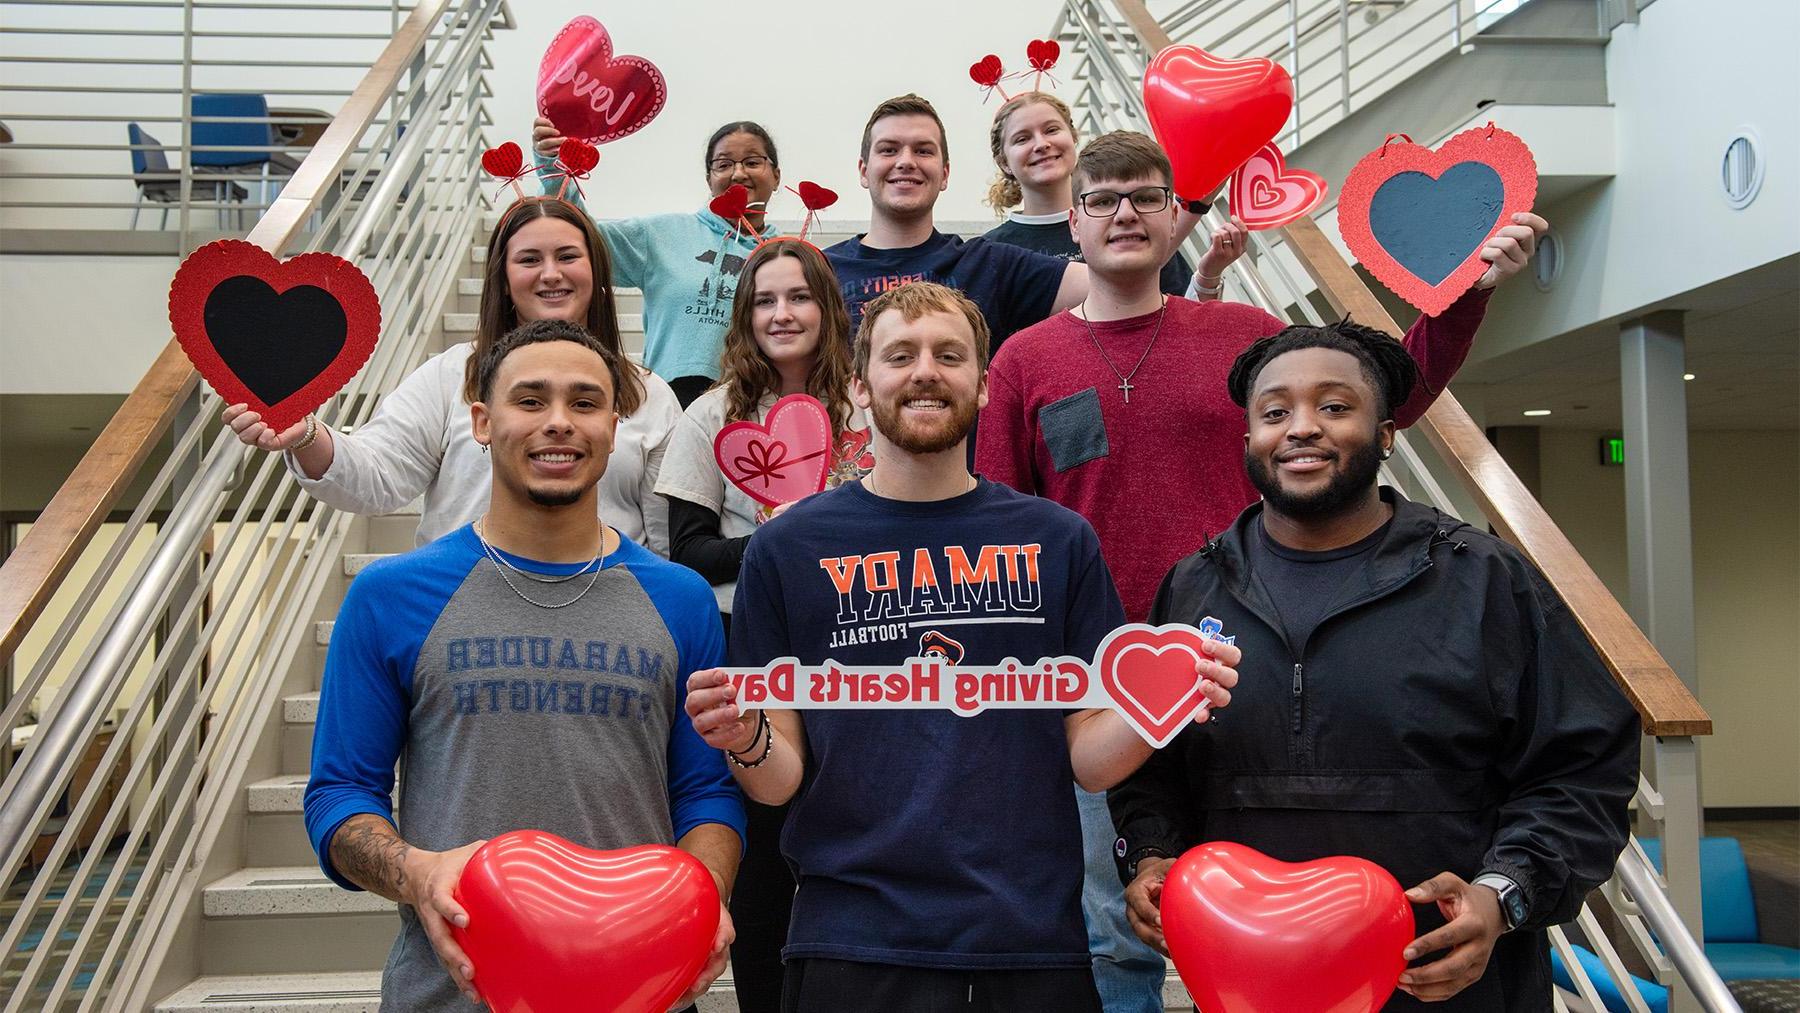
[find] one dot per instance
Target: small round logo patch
(1119, 848)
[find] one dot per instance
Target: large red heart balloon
(1250, 933)
(590, 93)
(557, 928)
(1211, 114)
(280, 337)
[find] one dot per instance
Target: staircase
(207, 895)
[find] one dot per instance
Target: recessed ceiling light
(1536, 412)
(1687, 376)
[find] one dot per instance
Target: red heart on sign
(986, 71)
(1211, 114)
(1152, 674)
(783, 459)
(280, 337)
(1267, 193)
(1250, 933)
(1042, 53)
(589, 93)
(578, 156)
(558, 928)
(503, 162)
(731, 204)
(816, 197)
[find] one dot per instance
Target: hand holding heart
(1510, 249)
(1143, 902)
(1228, 244)
(546, 140)
(712, 706)
(1473, 923)
(252, 431)
(429, 885)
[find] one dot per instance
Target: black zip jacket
(1447, 714)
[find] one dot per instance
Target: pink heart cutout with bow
(781, 460)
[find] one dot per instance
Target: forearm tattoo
(367, 852)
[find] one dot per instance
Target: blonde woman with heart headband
(1034, 143)
(545, 261)
(687, 263)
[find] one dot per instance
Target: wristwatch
(1512, 898)
(1198, 207)
(1137, 857)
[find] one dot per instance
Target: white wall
(1746, 590)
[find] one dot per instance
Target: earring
(1385, 454)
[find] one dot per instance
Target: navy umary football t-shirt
(1014, 287)
(919, 837)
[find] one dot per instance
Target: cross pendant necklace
(1125, 384)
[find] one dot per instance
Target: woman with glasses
(1033, 141)
(687, 263)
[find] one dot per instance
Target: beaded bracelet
(762, 725)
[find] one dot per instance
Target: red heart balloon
(578, 156)
(557, 928)
(280, 337)
(1211, 114)
(731, 204)
(986, 71)
(589, 93)
(1152, 673)
(1250, 933)
(503, 162)
(1268, 193)
(815, 197)
(1042, 53)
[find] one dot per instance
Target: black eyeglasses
(721, 166)
(1145, 200)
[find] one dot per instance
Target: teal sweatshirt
(687, 265)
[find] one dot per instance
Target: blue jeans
(1128, 973)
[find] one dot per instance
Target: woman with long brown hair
(545, 261)
(789, 334)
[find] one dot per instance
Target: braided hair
(1386, 363)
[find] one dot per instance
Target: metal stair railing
(1659, 915)
(197, 641)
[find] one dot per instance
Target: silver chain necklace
(501, 566)
(1125, 383)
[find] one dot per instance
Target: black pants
(687, 388)
(761, 902)
(816, 985)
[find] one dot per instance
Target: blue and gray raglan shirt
(513, 716)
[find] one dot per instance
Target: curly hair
(747, 374)
(1004, 192)
(1386, 363)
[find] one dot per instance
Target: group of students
(1399, 685)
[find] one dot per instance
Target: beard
(555, 497)
(1350, 482)
(917, 439)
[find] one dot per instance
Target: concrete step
(292, 920)
(354, 562)
(322, 632)
(285, 890)
(348, 992)
(300, 708)
(298, 712)
(278, 794)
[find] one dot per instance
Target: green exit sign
(1612, 451)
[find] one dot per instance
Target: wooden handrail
(63, 530)
(1665, 706)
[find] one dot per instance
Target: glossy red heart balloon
(986, 71)
(1211, 114)
(503, 162)
(557, 928)
(1248, 932)
(590, 93)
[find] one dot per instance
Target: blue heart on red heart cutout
(1417, 218)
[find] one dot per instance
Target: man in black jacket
(1413, 692)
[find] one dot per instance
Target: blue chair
(1655, 996)
(259, 138)
(159, 184)
(1728, 915)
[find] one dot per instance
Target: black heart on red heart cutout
(280, 337)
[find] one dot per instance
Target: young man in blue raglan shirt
(531, 669)
(939, 858)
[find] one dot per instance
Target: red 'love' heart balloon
(557, 928)
(986, 71)
(1211, 114)
(503, 162)
(590, 93)
(1250, 933)
(815, 197)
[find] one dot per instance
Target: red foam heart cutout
(1042, 53)
(815, 197)
(986, 71)
(558, 928)
(1211, 114)
(731, 204)
(589, 93)
(503, 162)
(1501, 150)
(279, 336)
(1152, 674)
(578, 156)
(784, 458)
(1248, 932)
(1268, 193)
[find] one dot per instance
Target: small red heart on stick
(986, 71)
(578, 156)
(816, 197)
(503, 162)
(1042, 53)
(732, 204)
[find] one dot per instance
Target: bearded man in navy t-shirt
(939, 858)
